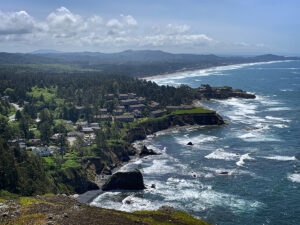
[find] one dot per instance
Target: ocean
(258, 148)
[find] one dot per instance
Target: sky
(224, 27)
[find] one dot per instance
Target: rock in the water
(224, 173)
(153, 186)
(132, 180)
(145, 151)
(190, 143)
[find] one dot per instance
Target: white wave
(195, 140)
(266, 100)
(256, 136)
(284, 90)
(221, 154)
(294, 177)
(280, 125)
(242, 158)
(279, 109)
(281, 158)
(277, 119)
(169, 78)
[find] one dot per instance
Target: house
(117, 112)
(5, 98)
(123, 96)
(18, 143)
(42, 151)
(83, 123)
(80, 108)
(154, 105)
(137, 107)
(121, 107)
(105, 117)
(131, 95)
(34, 142)
(87, 130)
(26, 103)
(95, 126)
(109, 96)
(75, 134)
(137, 113)
(53, 149)
(157, 113)
(141, 100)
(103, 111)
(125, 118)
(56, 137)
(129, 102)
(69, 122)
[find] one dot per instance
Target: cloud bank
(65, 30)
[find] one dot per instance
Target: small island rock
(145, 152)
(132, 180)
(190, 143)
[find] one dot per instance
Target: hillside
(134, 63)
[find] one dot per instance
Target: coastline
(173, 74)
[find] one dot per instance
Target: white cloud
(69, 30)
(16, 23)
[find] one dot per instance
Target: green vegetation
(192, 111)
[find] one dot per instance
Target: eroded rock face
(145, 151)
(132, 180)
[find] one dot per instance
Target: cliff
(141, 130)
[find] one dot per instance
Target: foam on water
(280, 158)
(196, 140)
(277, 119)
(294, 177)
(278, 109)
(221, 154)
(241, 162)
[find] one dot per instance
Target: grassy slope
(52, 209)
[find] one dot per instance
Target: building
(34, 142)
(137, 113)
(117, 112)
(87, 130)
(42, 151)
(125, 118)
(129, 102)
(123, 96)
(75, 134)
(109, 96)
(83, 123)
(5, 98)
(105, 117)
(18, 143)
(154, 105)
(131, 95)
(103, 111)
(137, 107)
(121, 107)
(141, 100)
(157, 113)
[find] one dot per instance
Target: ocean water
(258, 149)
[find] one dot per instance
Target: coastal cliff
(148, 127)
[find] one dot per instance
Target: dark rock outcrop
(190, 143)
(145, 152)
(224, 173)
(132, 180)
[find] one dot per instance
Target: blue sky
(189, 26)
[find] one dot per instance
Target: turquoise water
(258, 149)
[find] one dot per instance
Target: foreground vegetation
(60, 209)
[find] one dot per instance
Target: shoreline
(89, 196)
(171, 74)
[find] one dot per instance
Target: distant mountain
(134, 63)
(45, 51)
